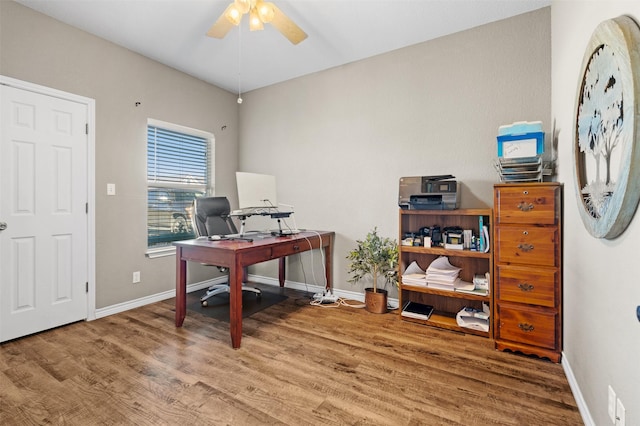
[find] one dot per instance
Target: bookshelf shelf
(446, 303)
(438, 251)
(446, 293)
(446, 321)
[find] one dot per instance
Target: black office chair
(211, 217)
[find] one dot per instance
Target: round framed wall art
(607, 138)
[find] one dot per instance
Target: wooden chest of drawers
(527, 238)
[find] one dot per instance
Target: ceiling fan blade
(287, 27)
(220, 28)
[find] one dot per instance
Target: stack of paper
(414, 279)
(413, 275)
(442, 274)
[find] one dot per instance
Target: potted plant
(376, 256)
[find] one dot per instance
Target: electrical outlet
(611, 406)
(111, 189)
(136, 277)
(620, 413)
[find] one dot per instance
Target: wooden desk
(237, 255)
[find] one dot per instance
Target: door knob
(3, 226)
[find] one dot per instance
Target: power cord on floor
(327, 299)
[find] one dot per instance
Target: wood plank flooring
(298, 365)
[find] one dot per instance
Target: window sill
(153, 253)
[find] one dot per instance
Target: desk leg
(235, 305)
(328, 249)
(281, 270)
(181, 287)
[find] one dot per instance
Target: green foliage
(374, 256)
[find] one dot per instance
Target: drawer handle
(525, 247)
(525, 207)
(527, 328)
(525, 286)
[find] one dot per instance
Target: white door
(43, 199)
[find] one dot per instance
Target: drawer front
(527, 245)
(530, 204)
(534, 286)
(282, 250)
(536, 327)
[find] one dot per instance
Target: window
(179, 169)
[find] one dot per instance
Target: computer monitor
(256, 190)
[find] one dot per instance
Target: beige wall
(338, 141)
(38, 49)
(601, 285)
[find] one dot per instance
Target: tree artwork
(600, 124)
(606, 142)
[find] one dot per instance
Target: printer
(439, 192)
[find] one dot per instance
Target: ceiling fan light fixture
(254, 21)
(243, 6)
(265, 11)
(232, 14)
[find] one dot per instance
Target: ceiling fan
(260, 12)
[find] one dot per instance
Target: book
(417, 311)
(481, 232)
(441, 286)
(478, 291)
(464, 286)
(485, 233)
(479, 286)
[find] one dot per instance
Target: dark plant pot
(375, 303)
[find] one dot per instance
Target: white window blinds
(177, 172)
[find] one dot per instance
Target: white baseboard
(158, 297)
(577, 394)
(345, 294)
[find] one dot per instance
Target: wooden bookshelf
(446, 303)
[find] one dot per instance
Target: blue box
(521, 145)
(520, 127)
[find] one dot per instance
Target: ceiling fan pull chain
(239, 64)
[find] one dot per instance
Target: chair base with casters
(211, 217)
(224, 288)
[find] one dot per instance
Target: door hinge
(86, 128)
(87, 287)
(86, 208)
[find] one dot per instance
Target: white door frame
(91, 175)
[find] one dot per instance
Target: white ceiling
(340, 31)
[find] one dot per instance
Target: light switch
(611, 405)
(620, 414)
(111, 189)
